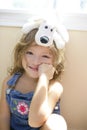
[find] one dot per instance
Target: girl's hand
(47, 69)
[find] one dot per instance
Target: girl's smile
(34, 57)
(33, 68)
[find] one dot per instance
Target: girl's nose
(36, 61)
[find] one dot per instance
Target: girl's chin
(33, 75)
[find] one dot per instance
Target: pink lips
(33, 68)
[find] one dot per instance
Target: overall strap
(13, 80)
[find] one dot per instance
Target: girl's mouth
(33, 68)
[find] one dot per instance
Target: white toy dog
(48, 31)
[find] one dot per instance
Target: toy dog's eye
(46, 27)
(51, 30)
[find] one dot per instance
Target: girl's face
(34, 56)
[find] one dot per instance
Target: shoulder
(3, 89)
(4, 84)
(56, 88)
(3, 102)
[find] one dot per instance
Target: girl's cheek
(26, 58)
(24, 61)
(50, 61)
(47, 60)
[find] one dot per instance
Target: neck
(30, 79)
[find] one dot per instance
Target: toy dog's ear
(61, 36)
(60, 43)
(28, 27)
(31, 24)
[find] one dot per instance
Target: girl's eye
(29, 53)
(46, 56)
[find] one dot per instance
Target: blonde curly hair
(24, 43)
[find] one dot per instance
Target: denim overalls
(19, 105)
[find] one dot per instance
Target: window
(73, 6)
(62, 5)
(26, 4)
(16, 12)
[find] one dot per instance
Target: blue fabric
(19, 105)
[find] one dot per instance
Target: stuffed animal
(49, 30)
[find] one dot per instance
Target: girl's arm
(4, 109)
(44, 101)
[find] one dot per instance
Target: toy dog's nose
(44, 39)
